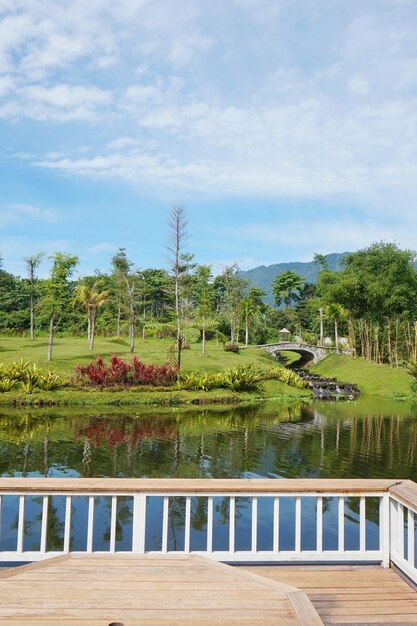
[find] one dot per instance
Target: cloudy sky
(285, 127)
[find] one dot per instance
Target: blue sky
(285, 127)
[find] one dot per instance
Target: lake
(368, 438)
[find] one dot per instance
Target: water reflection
(367, 439)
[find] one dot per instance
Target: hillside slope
(264, 275)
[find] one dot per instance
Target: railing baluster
(67, 524)
(410, 535)
(232, 521)
(165, 518)
(341, 525)
(187, 527)
(319, 528)
(275, 534)
(400, 530)
(210, 524)
(44, 523)
(394, 526)
(113, 521)
(298, 524)
(384, 529)
(90, 524)
(362, 524)
(254, 541)
(21, 524)
(139, 523)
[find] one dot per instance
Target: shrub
(28, 377)
(241, 378)
(288, 377)
(119, 372)
(231, 347)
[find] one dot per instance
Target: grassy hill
(372, 379)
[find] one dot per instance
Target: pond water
(367, 438)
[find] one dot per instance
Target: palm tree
(336, 313)
(91, 300)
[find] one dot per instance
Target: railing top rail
(196, 486)
(406, 490)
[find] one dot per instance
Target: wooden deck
(350, 594)
(130, 590)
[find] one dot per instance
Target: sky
(285, 128)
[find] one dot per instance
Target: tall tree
(91, 299)
(32, 263)
(250, 305)
(286, 287)
(126, 282)
(336, 313)
(204, 292)
(120, 267)
(234, 287)
(177, 238)
(58, 291)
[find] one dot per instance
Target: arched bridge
(307, 351)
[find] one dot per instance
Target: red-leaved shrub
(119, 372)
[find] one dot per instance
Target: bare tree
(178, 236)
(32, 263)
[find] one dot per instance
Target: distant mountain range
(264, 275)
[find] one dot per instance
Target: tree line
(372, 301)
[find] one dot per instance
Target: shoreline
(272, 391)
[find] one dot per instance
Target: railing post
(384, 529)
(139, 523)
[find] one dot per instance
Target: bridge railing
(228, 520)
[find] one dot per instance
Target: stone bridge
(309, 353)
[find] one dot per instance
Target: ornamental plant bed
(121, 373)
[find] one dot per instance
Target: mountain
(263, 276)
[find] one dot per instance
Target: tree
(127, 277)
(250, 305)
(336, 313)
(204, 293)
(178, 236)
(233, 290)
(120, 267)
(321, 261)
(32, 263)
(91, 299)
(286, 287)
(58, 291)
(376, 283)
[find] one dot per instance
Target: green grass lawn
(69, 351)
(372, 379)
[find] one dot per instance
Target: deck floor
(132, 590)
(350, 594)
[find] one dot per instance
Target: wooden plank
(58, 621)
(351, 595)
(210, 592)
(406, 490)
(174, 485)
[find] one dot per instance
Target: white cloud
(358, 86)
(102, 247)
(143, 93)
(16, 213)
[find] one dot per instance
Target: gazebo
(284, 334)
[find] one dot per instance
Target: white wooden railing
(281, 520)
